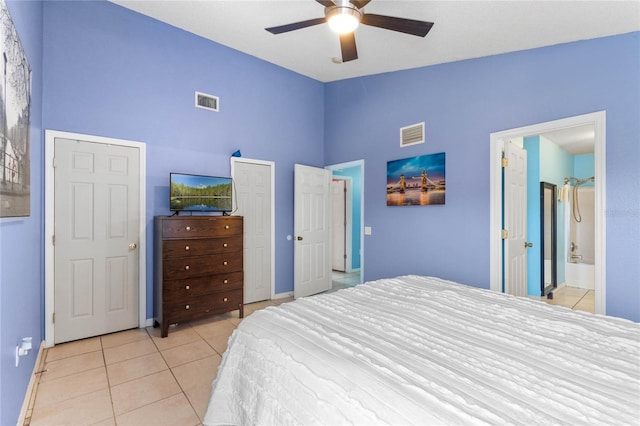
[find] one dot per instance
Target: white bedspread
(420, 350)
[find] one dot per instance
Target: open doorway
(352, 174)
(595, 123)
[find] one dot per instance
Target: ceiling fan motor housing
(344, 17)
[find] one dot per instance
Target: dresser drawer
(201, 227)
(197, 247)
(187, 288)
(197, 266)
(203, 305)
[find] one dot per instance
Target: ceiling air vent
(412, 135)
(210, 102)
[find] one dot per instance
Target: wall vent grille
(412, 135)
(210, 102)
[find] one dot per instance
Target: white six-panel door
(96, 233)
(253, 200)
(515, 220)
(312, 229)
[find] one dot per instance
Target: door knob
(133, 246)
(526, 244)
(299, 238)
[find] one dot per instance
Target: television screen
(199, 193)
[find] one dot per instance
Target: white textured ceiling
(575, 140)
(462, 30)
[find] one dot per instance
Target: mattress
(422, 350)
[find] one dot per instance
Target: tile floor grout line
(582, 297)
(106, 372)
(153, 402)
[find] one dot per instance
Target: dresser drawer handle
(186, 307)
(226, 227)
(225, 282)
(225, 299)
(225, 245)
(188, 228)
(186, 287)
(225, 263)
(186, 248)
(186, 267)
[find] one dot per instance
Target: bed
(422, 350)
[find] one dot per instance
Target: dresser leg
(164, 331)
(241, 314)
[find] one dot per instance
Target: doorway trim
(347, 165)
(497, 140)
(272, 169)
(49, 202)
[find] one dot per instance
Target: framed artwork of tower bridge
(416, 181)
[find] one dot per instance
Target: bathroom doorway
(594, 123)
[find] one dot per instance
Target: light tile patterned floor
(135, 377)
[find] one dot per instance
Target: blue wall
(462, 103)
(21, 244)
(138, 83)
(584, 167)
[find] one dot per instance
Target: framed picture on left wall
(15, 108)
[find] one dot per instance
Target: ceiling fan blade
(296, 25)
(359, 3)
(403, 25)
(326, 3)
(348, 47)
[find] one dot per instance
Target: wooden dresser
(197, 268)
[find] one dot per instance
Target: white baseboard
(29, 396)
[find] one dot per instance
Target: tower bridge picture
(416, 181)
(422, 183)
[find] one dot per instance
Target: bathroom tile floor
(575, 298)
(135, 377)
(342, 280)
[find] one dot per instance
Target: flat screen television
(199, 193)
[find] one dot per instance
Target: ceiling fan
(343, 16)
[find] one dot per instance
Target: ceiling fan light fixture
(343, 19)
